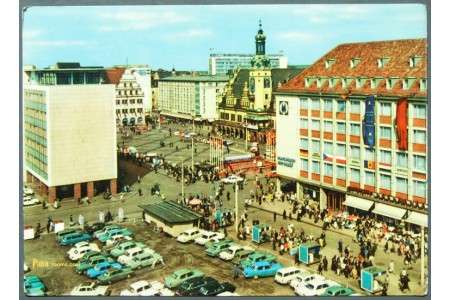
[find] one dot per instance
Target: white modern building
(221, 64)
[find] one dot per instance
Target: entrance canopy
(358, 203)
(418, 219)
(389, 211)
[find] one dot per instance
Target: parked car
(286, 275)
(76, 253)
(108, 228)
(114, 274)
(338, 290)
(91, 262)
(189, 235)
(215, 240)
(215, 288)
(191, 286)
(144, 260)
(101, 268)
(257, 256)
(314, 287)
(133, 252)
(228, 294)
(33, 286)
(73, 238)
(90, 254)
(302, 279)
(145, 288)
(60, 234)
(125, 245)
(180, 276)
(229, 254)
(261, 269)
(242, 255)
(91, 229)
(232, 179)
(90, 289)
(111, 234)
(219, 247)
(28, 191)
(28, 200)
(207, 236)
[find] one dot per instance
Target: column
(77, 191)
(51, 195)
(44, 190)
(90, 189)
(323, 198)
(113, 186)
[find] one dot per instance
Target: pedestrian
(43, 204)
(235, 272)
(140, 192)
(139, 179)
(325, 263)
(108, 216)
(391, 267)
(274, 216)
(284, 214)
(71, 220)
(340, 246)
(225, 231)
(386, 247)
(320, 268)
(38, 227)
(228, 195)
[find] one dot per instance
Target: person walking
(340, 246)
(284, 214)
(274, 216)
(320, 268)
(71, 223)
(325, 263)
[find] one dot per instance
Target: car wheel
(129, 276)
(255, 277)
(139, 267)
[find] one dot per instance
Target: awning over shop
(418, 219)
(197, 119)
(257, 118)
(389, 211)
(358, 203)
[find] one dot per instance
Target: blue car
(101, 268)
(34, 286)
(261, 269)
(73, 238)
(112, 233)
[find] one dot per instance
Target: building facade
(355, 130)
(66, 109)
(221, 64)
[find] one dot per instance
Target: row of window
(231, 117)
(131, 110)
(129, 93)
(385, 181)
(132, 101)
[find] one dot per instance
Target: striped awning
(358, 203)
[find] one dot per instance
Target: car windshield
(309, 286)
(229, 251)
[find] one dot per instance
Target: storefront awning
(418, 219)
(197, 119)
(389, 211)
(358, 203)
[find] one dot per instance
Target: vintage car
(242, 255)
(286, 275)
(133, 252)
(229, 254)
(215, 240)
(261, 269)
(144, 260)
(125, 245)
(28, 200)
(112, 233)
(302, 279)
(92, 228)
(90, 254)
(60, 234)
(191, 286)
(73, 238)
(114, 274)
(215, 288)
(314, 287)
(338, 290)
(79, 250)
(145, 288)
(91, 262)
(232, 179)
(219, 247)
(90, 289)
(189, 235)
(180, 276)
(101, 268)
(27, 191)
(114, 240)
(257, 256)
(207, 236)
(33, 286)
(108, 228)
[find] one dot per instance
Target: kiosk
(261, 233)
(59, 225)
(309, 253)
(223, 214)
(372, 279)
(28, 233)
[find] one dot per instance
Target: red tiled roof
(398, 52)
(114, 75)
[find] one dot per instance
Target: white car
(90, 289)
(145, 288)
(189, 235)
(302, 279)
(228, 294)
(30, 201)
(207, 236)
(231, 252)
(133, 252)
(117, 238)
(314, 287)
(76, 253)
(28, 191)
(232, 179)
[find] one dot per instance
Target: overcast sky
(184, 36)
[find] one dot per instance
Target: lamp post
(182, 179)
(192, 143)
(236, 205)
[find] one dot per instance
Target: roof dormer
(375, 81)
(414, 60)
(321, 81)
(360, 81)
(309, 81)
(382, 61)
(354, 62)
(346, 81)
(332, 81)
(390, 82)
(423, 84)
(408, 82)
(329, 62)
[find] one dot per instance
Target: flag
(369, 123)
(303, 152)
(341, 159)
(402, 121)
(369, 164)
(327, 157)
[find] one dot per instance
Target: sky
(183, 36)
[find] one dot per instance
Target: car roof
(139, 284)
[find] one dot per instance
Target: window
(402, 185)
(117, 111)
(370, 178)
(333, 81)
(360, 82)
(385, 181)
(419, 188)
(315, 146)
(355, 107)
(315, 124)
(78, 78)
(423, 84)
(385, 109)
(340, 106)
(355, 152)
(402, 160)
(233, 116)
(328, 126)
(354, 62)
(124, 101)
(239, 118)
(419, 162)
(385, 133)
(304, 164)
(329, 62)
(354, 175)
(340, 149)
(420, 111)
(328, 169)
(341, 127)
(316, 167)
(414, 60)
(328, 147)
(340, 172)
(315, 104)
(385, 157)
(117, 102)
(304, 144)
(374, 82)
(124, 111)
(419, 137)
(309, 81)
(321, 81)
(407, 82)
(303, 103)
(355, 129)
(327, 105)
(390, 82)
(382, 61)
(304, 123)
(63, 78)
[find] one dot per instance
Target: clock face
(252, 85)
(284, 108)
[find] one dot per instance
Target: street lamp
(182, 179)
(192, 143)
(236, 205)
